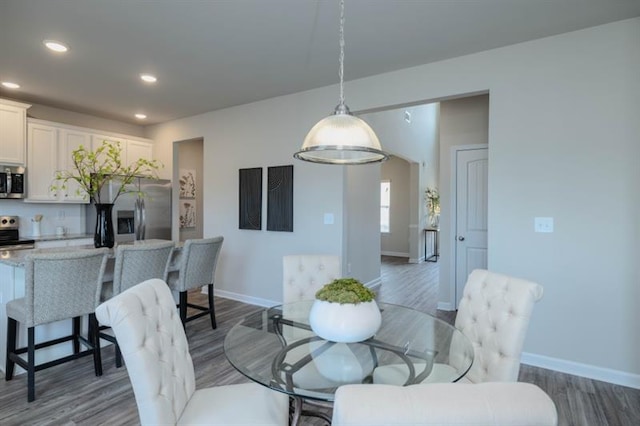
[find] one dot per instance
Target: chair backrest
(198, 261)
(494, 314)
(63, 285)
(152, 340)
(305, 274)
(140, 262)
(441, 404)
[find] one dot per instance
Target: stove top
(9, 237)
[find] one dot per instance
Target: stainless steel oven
(13, 182)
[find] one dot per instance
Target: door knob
(460, 238)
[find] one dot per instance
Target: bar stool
(134, 264)
(59, 286)
(197, 267)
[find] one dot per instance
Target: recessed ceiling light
(56, 46)
(148, 78)
(141, 116)
(10, 85)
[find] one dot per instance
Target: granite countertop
(16, 258)
(61, 237)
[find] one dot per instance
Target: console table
(436, 244)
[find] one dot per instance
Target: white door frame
(453, 206)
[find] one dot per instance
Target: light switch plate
(328, 218)
(543, 224)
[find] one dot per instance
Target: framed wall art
(280, 198)
(250, 198)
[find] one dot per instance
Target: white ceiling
(211, 54)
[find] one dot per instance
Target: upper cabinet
(137, 150)
(42, 161)
(13, 116)
(50, 148)
(132, 150)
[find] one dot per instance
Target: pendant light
(341, 138)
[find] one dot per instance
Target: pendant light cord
(341, 69)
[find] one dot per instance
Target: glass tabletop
(276, 347)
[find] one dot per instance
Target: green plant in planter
(93, 169)
(345, 290)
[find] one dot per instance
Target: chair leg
(76, 333)
(12, 325)
(183, 308)
(31, 365)
(212, 311)
(118, 355)
(94, 336)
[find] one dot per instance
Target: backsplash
(71, 216)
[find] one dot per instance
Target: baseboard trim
(394, 253)
(244, 298)
(374, 284)
(445, 306)
(609, 375)
(414, 260)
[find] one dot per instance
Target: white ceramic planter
(345, 323)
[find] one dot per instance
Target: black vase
(104, 236)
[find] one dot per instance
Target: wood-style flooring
(70, 394)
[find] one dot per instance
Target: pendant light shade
(341, 138)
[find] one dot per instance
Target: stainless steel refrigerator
(135, 217)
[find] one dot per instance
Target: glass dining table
(277, 348)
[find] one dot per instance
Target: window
(385, 202)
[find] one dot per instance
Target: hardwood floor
(71, 395)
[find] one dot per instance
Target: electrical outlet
(543, 224)
(328, 219)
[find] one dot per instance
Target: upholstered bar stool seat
(135, 263)
(155, 348)
(59, 286)
(196, 268)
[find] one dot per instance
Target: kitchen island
(12, 286)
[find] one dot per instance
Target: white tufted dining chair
(442, 404)
(305, 274)
(156, 351)
(494, 315)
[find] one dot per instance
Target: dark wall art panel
(250, 198)
(280, 198)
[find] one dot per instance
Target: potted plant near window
(345, 311)
(92, 170)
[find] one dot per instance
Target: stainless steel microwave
(13, 182)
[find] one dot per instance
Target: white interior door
(471, 214)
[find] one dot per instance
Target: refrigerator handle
(143, 214)
(138, 218)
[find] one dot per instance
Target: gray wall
(396, 242)
(190, 158)
(463, 121)
(563, 132)
(416, 142)
(83, 120)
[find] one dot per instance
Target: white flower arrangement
(433, 201)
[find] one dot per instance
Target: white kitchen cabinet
(137, 150)
(13, 118)
(71, 140)
(49, 149)
(42, 162)
(132, 150)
